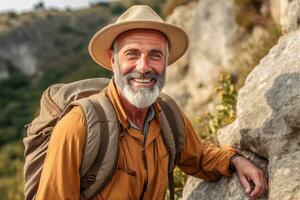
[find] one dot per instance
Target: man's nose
(142, 64)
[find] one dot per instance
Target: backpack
(103, 131)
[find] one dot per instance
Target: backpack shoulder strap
(174, 120)
(173, 133)
(101, 150)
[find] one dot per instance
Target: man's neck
(135, 115)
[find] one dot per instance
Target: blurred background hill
(45, 46)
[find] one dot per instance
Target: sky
(26, 5)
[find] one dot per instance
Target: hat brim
(102, 41)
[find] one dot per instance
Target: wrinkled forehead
(138, 34)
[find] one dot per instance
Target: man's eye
(156, 55)
(131, 53)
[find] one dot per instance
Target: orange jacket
(142, 165)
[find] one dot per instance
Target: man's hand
(251, 178)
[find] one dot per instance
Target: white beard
(141, 97)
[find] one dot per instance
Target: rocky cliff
(212, 31)
(267, 126)
(226, 36)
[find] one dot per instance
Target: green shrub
(67, 29)
(12, 152)
(78, 47)
(117, 9)
(226, 110)
(180, 179)
(16, 106)
(11, 171)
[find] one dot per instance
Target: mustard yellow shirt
(142, 165)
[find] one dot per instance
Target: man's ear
(111, 56)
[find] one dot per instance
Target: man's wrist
(231, 162)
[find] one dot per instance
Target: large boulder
(267, 128)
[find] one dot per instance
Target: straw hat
(137, 17)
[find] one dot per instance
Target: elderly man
(137, 48)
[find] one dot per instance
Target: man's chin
(142, 90)
(139, 99)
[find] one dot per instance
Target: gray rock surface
(267, 126)
(224, 189)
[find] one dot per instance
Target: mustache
(147, 75)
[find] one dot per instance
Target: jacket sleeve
(60, 178)
(203, 160)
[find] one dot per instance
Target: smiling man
(138, 49)
(139, 65)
